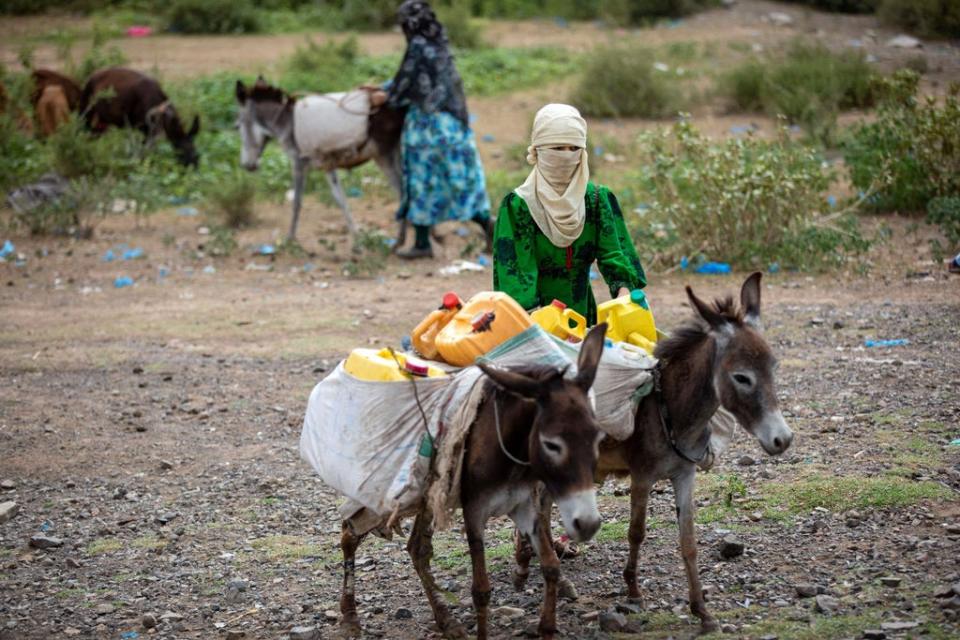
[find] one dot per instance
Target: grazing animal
(44, 78)
(720, 359)
(536, 427)
(300, 124)
(52, 109)
(118, 97)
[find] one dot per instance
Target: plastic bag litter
(459, 266)
(47, 190)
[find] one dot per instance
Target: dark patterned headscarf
(427, 77)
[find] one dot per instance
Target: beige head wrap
(555, 189)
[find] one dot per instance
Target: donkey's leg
(550, 565)
(391, 166)
(480, 590)
(348, 602)
(683, 493)
(337, 189)
(420, 548)
(299, 181)
(639, 495)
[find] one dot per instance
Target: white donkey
(327, 131)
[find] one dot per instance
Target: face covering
(556, 188)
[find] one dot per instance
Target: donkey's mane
(262, 92)
(695, 331)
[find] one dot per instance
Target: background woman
(442, 175)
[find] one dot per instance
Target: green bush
(462, 31)
(945, 213)
(913, 147)
(369, 15)
(842, 6)
(233, 200)
(212, 16)
(621, 82)
(810, 85)
(926, 17)
(78, 153)
(744, 201)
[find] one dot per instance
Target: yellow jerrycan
(379, 366)
(561, 321)
(486, 320)
(424, 336)
(629, 319)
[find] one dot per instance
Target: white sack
(331, 122)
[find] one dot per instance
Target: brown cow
(118, 97)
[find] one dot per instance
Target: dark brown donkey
(132, 99)
(535, 427)
(720, 359)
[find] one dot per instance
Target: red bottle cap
(416, 368)
(558, 304)
(451, 301)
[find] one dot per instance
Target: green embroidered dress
(534, 271)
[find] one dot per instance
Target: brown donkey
(536, 427)
(720, 359)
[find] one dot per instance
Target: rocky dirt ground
(148, 435)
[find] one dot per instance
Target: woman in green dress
(557, 223)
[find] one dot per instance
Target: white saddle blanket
(331, 122)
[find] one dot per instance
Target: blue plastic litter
(483, 260)
(898, 342)
(210, 269)
(561, 22)
(487, 137)
(593, 274)
(774, 267)
(7, 249)
(188, 211)
(265, 250)
(390, 242)
(308, 266)
(598, 151)
(713, 268)
(832, 200)
(955, 442)
(123, 281)
(406, 343)
(354, 192)
(129, 635)
(46, 526)
(109, 256)
(739, 129)
(176, 200)
(163, 272)
(132, 254)
(684, 263)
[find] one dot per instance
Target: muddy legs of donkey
(683, 491)
(420, 548)
(523, 552)
(349, 622)
(639, 495)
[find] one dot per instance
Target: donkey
(719, 360)
(269, 112)
(119, 97)
(44, 78)
(533, 413)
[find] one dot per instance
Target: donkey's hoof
(350, 629)
(709, 625)
(566, 590)
(453, 630)
(520, 579)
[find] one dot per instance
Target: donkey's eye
(552, 447)
(743, 380)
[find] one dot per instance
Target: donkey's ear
(711, 317)
(241, 92)
(750, 299)
(516, 383)
(194, 128)
(590, 352)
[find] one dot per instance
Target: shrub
(462, 31)
(212, 16)
(914, 146)
(76, 152)
(945, 213)
(927, 17)
(745, 201)
(369, 15)
(842, 6)
(809, 86)
(369, 254)
(621, 81)
(233, 199)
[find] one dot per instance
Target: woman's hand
(623, 292)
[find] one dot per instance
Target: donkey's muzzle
(773, 433)
(578, 511)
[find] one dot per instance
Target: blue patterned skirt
(442, 174)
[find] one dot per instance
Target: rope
(416, 397)
(496, 421)
(340, 102)
(666, 424)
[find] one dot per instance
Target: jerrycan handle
(574, 322)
